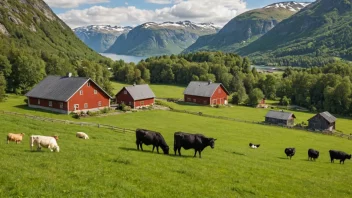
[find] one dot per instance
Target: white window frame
(125, 92)
(81, 92)
(95, 91)
(61, 105)
(86, 105)
(88, 84)
(99, 104)
(130, 103)
(50, 103)
(76, 107)
(214, 101)
(38, 101)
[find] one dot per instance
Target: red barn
(206, 93)
(68, 94)
(136, 96)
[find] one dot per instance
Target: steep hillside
(152, 39)
(316, 35)
(35, 43)
(100, 37)
(247, 27)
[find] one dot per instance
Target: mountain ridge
(246, 27)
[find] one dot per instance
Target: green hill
(34, 42)
(246, 28)
(318, 34)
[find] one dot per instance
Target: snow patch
(292, 6)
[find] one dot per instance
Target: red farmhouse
(206, 93)
(136, 96)
(68, 94)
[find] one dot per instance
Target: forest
(316, 88)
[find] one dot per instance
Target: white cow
(44, 141)
(82, 135)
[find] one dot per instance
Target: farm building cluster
(78, 94)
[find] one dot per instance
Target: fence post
(98, 125)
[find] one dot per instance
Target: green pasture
(108, 165)
(343, 124)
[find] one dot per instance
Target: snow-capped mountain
(182, 24)
(153, 39)
(290, 5)
(100, 37)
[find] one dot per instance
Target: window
(214, 102)
(194, 100)
(81, 92)
(39, 101)
(61, 105)
(125, 92)
(50, 103)
(76, 107)
(95, 91)
(129, 103)
(86, 105)
(189, 99)
(99, 104)
(142, 102)
(88, 84)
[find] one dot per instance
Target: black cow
(342, 156)
(188, 141)
(151, 137)
(313, 154)
(290, 152)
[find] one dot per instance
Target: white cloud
(219, 12)
(163, 1)
(72, 3)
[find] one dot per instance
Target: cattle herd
(198, 142)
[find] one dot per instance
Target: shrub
(126, 108)
(76, 116)
(25, 100)
(105, 110)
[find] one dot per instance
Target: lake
(126, 58)
(136, 59)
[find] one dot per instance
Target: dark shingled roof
(280, 115)
(59, 88)
(327, 116)
(140, 92)
(203, 89)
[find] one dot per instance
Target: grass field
(256, 114)
(108, 165)
(161, 91)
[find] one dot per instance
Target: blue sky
(134, 12)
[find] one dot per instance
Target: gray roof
(139, 92)
(280, 115)
(203, 89)
(59, 88)
(328, 117)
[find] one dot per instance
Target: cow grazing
(188, 141)
(14, 137)
(290, 152)
(82, 135)
(254, 146)
(342, 156)
(148, 137)
(313, 154)
(44, 141)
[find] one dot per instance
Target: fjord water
(126, 58)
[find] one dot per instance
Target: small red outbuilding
(206, 93)
(136, 96)
(68, 94)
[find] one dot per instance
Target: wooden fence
(124, 130)
(89, 124)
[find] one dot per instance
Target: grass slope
(108, 165)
